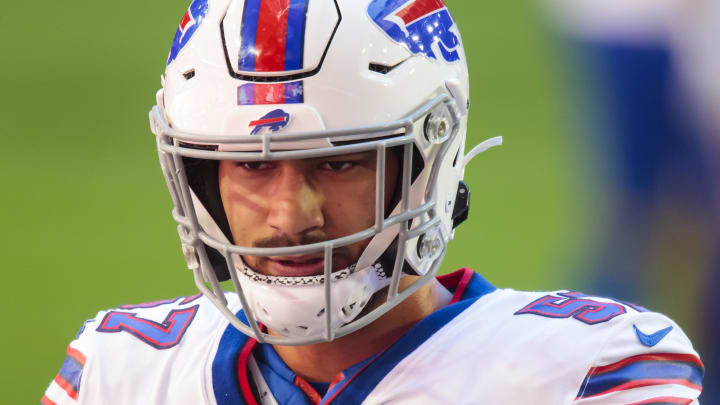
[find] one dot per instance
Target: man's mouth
(296, 266)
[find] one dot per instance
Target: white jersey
(490, 346)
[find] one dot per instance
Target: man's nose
(296, 206)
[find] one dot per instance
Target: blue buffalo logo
(274, 121)
(189, 23)
(424, 26)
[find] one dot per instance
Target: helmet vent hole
(189, 74)
(379, 68)
(301, 327)
(382, 68)
(319, 314)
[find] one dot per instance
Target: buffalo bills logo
(424, 26)
(274, 121)
(190, 22)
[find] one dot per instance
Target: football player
(314, 151)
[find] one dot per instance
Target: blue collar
(358, 380)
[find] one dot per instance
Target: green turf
(85, 212)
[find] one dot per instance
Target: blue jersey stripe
(71, 371)
(295, 35)
(642, 370)
(224, 368)
(248, 33)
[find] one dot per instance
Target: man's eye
(254, 165)
(337, 166)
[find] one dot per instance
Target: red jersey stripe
(75, 354)
(664, 400)
(66, 387)
(47, 401)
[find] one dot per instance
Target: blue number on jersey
(162, 335)
(576, 305)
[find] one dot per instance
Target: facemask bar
(194, 238)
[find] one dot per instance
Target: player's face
(293, 202)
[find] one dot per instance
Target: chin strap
(480, 148)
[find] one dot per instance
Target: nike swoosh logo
(652, 339)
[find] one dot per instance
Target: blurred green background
(86, 213)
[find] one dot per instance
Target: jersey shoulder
(141, 351)
(556, 347)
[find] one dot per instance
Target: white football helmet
(256, 80)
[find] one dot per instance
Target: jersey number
(162, 335)
(575, 305)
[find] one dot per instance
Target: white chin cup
(298, 310)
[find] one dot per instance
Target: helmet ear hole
(189, 74)
(462, 204)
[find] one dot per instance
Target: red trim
(457, 280)
(265, 121)
(329, 400)
(271, 35)
(242, 371)
(46, 401)
(308, 389)
(672, 400)
(337, 379)
(418, 9)
(186, 18)
(66, 386)
(647, 383)
(689, 358)
(273, 93)
(75, 354)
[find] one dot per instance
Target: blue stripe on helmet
(248, 34)
(295, 35)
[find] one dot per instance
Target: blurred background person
(647, 94)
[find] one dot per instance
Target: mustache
(287, 241)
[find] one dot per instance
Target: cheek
(351, 209)
(242, 208)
